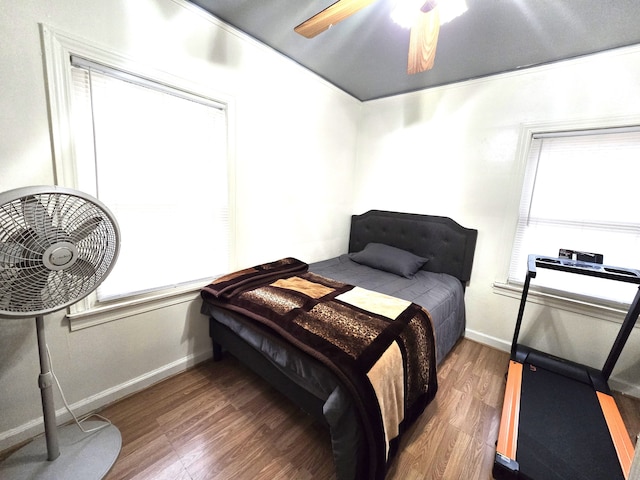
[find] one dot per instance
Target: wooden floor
(220, 421)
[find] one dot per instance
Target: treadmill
(559, 420)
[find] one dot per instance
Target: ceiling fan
(424, 30)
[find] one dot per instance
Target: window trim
(580, 304)
(109, 311)
(119, 74)
(58, 48)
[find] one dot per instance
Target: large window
(157, 155)
(581, 193)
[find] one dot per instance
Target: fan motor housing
(60, 255)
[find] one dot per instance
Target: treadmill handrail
(627, 275)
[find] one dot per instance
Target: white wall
(293, 133)
(452, 151)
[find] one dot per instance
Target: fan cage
(56, 247)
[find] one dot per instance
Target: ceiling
(366, 54)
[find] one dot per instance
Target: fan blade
(85, 229)
(330, 16)
(25, 292)
(24, 246)
(423, 41)
(82, 268)
(36, 216)
(10, 253)
(78, 278)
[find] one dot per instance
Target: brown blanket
(380, 347)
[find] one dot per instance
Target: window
(580, 193)
(156, 154)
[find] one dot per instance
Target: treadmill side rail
(506, 466)
(618, 431)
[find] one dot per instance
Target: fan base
(82, 455)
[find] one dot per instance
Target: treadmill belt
(563, 434)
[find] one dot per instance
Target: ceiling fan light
(405, 12)
(450, 9)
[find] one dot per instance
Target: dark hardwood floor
(219, 420)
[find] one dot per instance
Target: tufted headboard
(449, 246)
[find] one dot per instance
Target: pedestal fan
(56, 246)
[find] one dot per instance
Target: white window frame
(584, 305)
(58, 49)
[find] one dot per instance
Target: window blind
(157, 157)
(580, 193)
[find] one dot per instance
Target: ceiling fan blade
(423, 41)
(330, 16)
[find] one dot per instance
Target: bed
(437, 286)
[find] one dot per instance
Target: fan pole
(45, 382)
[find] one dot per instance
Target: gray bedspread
(440, 294)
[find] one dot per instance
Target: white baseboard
(624, 387)
(35, 427)
(485, 339)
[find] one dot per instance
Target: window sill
(613, 312)
(128, 307)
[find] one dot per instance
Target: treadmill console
(622, 274)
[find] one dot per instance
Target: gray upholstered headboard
(449, 246)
